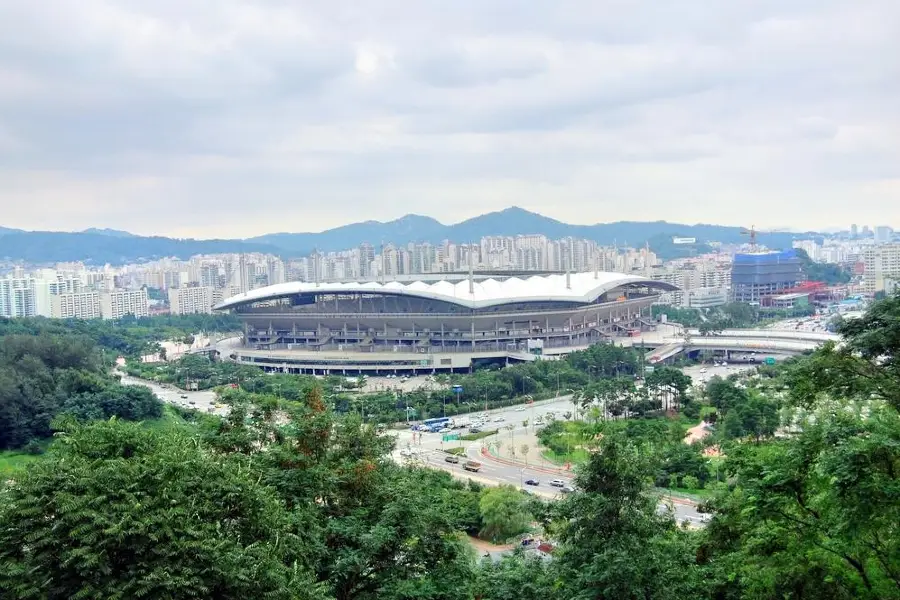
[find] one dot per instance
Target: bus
(434, 424)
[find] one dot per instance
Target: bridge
(769, 341)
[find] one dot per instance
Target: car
(567, 489)
(532, 482)
(703, 370)
(445, 430)
(558, 483)
(474, 430)
(499, 419)
(520, 409)
(184, 396)
(450, 458)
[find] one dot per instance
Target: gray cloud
(238, 117)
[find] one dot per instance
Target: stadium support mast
(647, 270)
(471, 271)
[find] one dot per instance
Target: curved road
(504, 471)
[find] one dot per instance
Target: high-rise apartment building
(17, 298)
(118, 303)
(191, 300)
(882, 267)
(883, 234)
(76, 305)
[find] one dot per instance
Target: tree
(615, 543)
(814, 515)
(513, 577)
(119, 511)
(503, 513)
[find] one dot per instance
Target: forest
(287, 498)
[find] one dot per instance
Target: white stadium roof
(575, 287)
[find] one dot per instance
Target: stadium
(446, 323)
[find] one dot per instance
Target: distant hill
(5, 230)
(516, 221)
(99, 249)
(109, 232)
(101, 246)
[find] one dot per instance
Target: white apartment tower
(118, 303)
(75, 305)
(17, 297)
(191, 300)
(882, 264)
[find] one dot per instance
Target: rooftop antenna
(471, 271)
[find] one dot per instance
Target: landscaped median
(521, 464)
(471, 437)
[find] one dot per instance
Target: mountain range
(102, 246)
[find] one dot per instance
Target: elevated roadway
(770, 341)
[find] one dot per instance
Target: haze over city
(237, 118)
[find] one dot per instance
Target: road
(204, 401)
(504, 471)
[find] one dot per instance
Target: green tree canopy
(119, 511)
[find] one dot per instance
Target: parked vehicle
(472, 465)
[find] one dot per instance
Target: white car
(520, 409)
(499, 419)
(703, 370)
(445, 430)
(557, 483)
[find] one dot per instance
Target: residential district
(742, 273)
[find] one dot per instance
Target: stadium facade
(439, 325)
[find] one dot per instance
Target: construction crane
(752, 233)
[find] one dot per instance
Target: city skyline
(244, 117)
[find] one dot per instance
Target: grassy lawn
(12, 461)
(459, 451)
(576, 456)
(697, 493)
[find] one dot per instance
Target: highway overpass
(762, 341)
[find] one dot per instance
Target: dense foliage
(129, 336)
(829, 273)
(43, 376)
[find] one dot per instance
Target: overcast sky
(231, 118)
